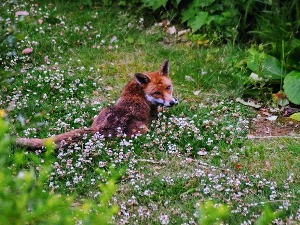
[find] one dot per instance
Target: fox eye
(168, 88)
(157, 93)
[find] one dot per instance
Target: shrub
(25, 199)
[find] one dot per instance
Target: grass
(196, 151)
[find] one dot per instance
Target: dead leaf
(266, 114)
(249, 103)
(22, 13)
(250, 136)
(47, 61)
(255, 77)
(182, 32)
(189, 160)
(272, 118)
(27, 50)
(238, 166)
(188, 78)
(235, 114)
(113, 39)
(165, 23)
(171, 30)
(202, 152)
(196, 92)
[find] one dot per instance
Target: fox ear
(164, 68)
(142, 78)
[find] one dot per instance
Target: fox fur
(131, 115)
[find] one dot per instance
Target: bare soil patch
(266, 125)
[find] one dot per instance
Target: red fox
(131, 115)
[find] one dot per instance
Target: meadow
(203, 151)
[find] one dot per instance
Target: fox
(131, 115)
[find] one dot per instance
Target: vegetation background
(227, 154)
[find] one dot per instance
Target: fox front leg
(136, 127)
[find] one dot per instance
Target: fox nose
(173, 102)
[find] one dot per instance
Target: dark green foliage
(279, 22)
(277, 26)
(226, 20)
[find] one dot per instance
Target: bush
(25, 199)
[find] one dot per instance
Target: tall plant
(278, 29)
(279, 22)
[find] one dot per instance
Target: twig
(152, 161)
(270, 137)
(279, 200)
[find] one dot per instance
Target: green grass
(194, 151)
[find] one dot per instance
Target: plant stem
(282, 64)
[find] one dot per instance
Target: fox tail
(59, 141)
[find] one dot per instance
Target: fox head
(157, 86)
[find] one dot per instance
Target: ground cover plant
(62, 62)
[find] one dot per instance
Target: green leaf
(188, 14)
(199, 20)
(130, 40)
(266, 217)
(292, 87)
(191, 11)
(272, 67)
(210, 213)
(295, 116)
(205, 3)
(268, 67)
(155, 4)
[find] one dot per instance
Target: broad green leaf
(217, 19)
(292, 87)
(155, 4)
(272, 67)
(269, 67)
(199, 20)
(191, 11)
(188, 14)
(295, 116)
